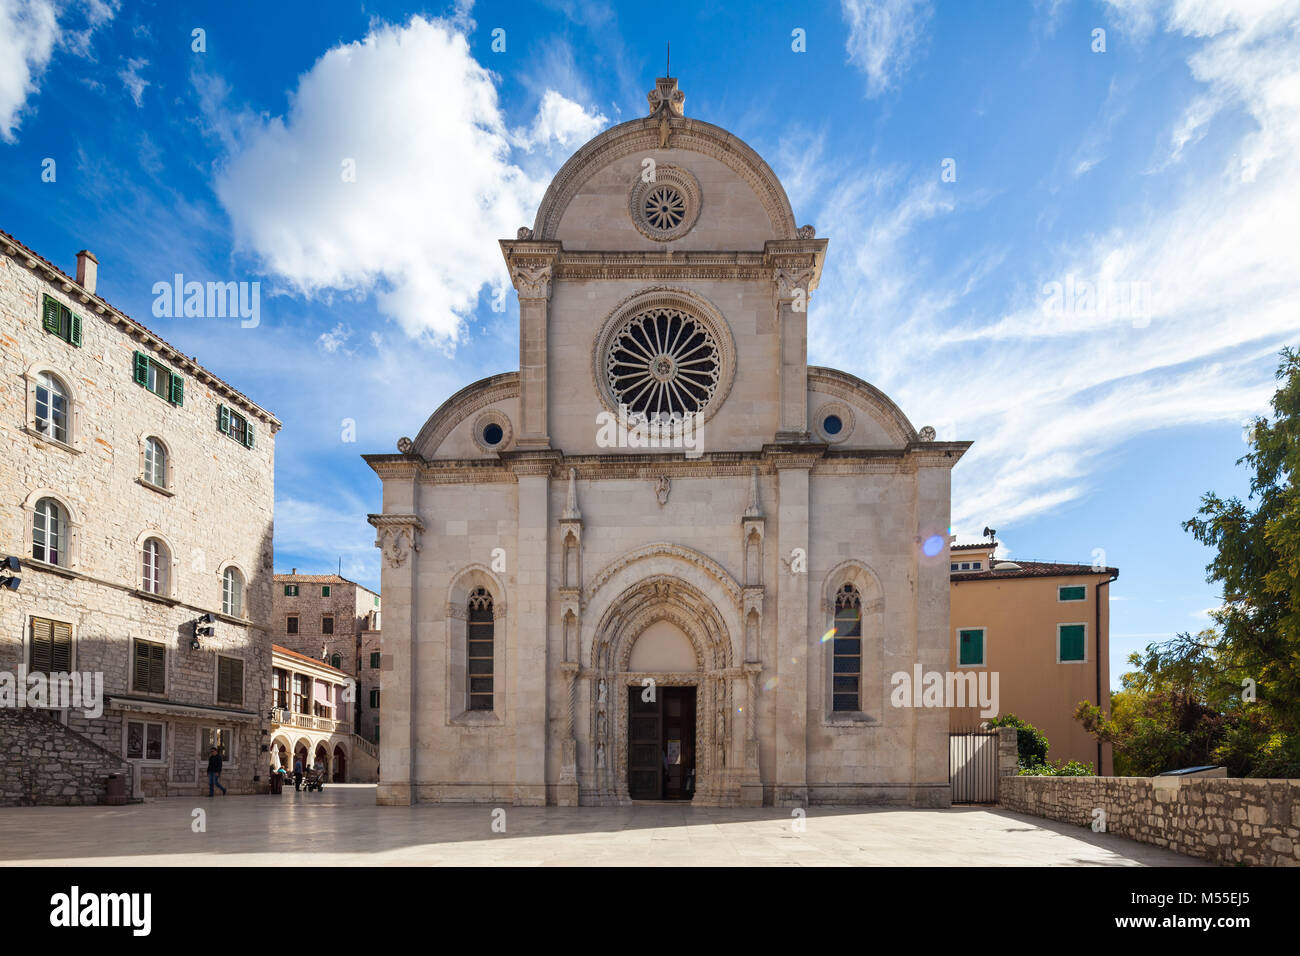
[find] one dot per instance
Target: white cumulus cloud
(883, 35)
(28, 32)
(394, 172)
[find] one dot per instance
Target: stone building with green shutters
(138, 492)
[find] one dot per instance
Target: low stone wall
(1229, 821)
(42, 762)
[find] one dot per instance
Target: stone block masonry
(1228, 821)
(43, 762)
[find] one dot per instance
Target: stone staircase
(44, 763)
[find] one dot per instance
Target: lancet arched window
(479, 649)
(846, 657)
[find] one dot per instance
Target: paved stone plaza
(342, 826)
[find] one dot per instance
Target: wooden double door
(661, 743)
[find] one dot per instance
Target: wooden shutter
(42, 645)
(157, 669)
(50, 315)
(1072, 642)
(140, 668)
(74, 329)
(223, 419)
(230, 680)
(141, 369)
(177, 390)
(248, 434)
(61, 648)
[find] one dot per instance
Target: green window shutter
(42, 645)
(1079, 593)
(970, 647)
(248, 434)
(177, 390)
(374, 660)
(325, 590)
(1072, 642)
(141, 362)
(223, 419)
(223, 679)
(74, 329)
(50, 315)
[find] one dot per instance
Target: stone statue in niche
(662, 487)
(600, 755)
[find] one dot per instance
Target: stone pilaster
(528, 655)
(796, 268)
(531, 267)
(397, 535)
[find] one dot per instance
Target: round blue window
(492, 434)
(832, 425)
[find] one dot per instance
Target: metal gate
(973, 766)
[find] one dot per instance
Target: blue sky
(1162, 170)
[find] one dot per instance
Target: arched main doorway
(340, 765)
(661, 692)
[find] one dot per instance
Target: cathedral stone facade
(667, 558)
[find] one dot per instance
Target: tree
(1258, 557)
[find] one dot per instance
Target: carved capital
(790, 282)
(532, 279)
(397, 536)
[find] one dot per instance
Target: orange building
(1044, 629)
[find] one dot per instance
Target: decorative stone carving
(753, 509)
(926, 433)
(532, 280)
(668, 206)
(789, 280)
(397, 536)
(804, 232)
(492, 416)
(571, 512)
(525, 233)
(404, 445)
(666, 97)
(662, 487)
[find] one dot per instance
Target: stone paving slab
(343, 827)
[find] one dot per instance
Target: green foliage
(1069, 769)
(1231, 694)
(1031, 743)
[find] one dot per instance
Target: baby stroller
(313, 780)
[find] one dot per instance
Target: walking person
(214, 772)
(297, 772)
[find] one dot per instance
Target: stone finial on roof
(753, 509)
(666, 96)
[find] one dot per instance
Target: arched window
(232, 593)
(155, 462)
(154, 560)
(478, 649)
(336, 660)
(846, 670)
(51, 407)
(50, 533)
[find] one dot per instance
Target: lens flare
(828, 635)
(933, 545)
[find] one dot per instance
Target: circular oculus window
(834, 422)
(668, 206)
(663, 364)
(491, 430)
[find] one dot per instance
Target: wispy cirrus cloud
(1208, 286)
(883, 37)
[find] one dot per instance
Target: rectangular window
(291, 590)
(1072, 593)
(376, 600)
(374, 660)
(280, 688)
(235, 425)
(144, 740)
(158, 378)
(58, 319)
(299, 695)
(976, 565)
(952, 567)
(324, 590)
(222, 739)
(230, 680)
(149, 673)
(970, 647)
(327, 624)
(374, 699)
(51, 647)
(291, 624)
(1071, 642)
